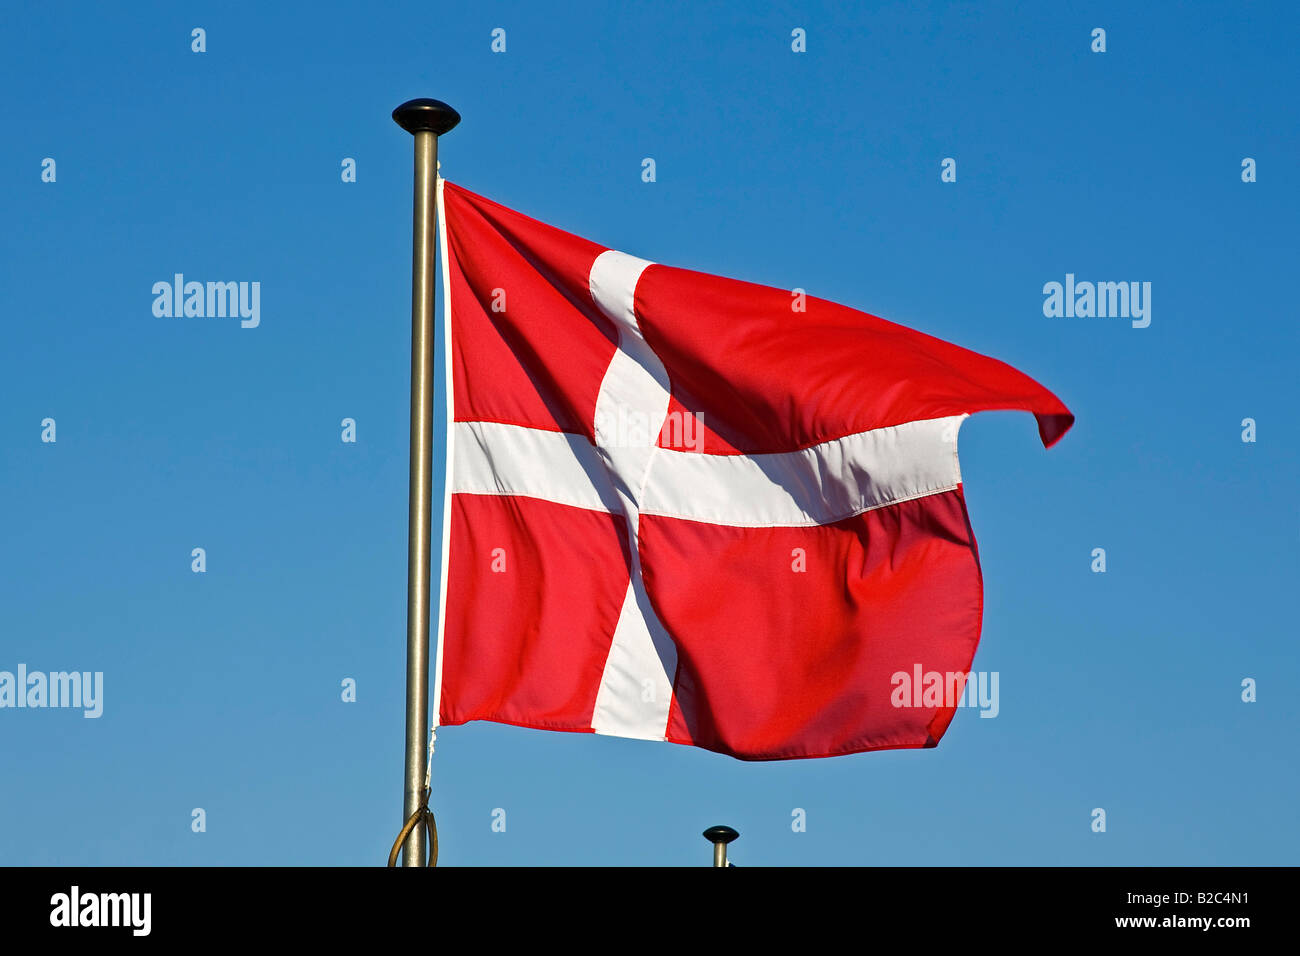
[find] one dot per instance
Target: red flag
(687, 508)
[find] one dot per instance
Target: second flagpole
(425, 120)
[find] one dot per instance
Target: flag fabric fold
(687, 508)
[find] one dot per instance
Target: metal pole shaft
(421, 488)
(425, 119)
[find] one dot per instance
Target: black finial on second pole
(720, 836)
(423, 114)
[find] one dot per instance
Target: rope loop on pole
(423, 815)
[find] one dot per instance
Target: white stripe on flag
(497, 459)
(636, 688)
(827, 482)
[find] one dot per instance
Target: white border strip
(448, 449)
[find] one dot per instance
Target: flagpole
(426, 120)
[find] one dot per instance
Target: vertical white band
(636, 687)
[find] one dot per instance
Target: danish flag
(687, 508)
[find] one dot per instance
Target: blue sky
(819, 170)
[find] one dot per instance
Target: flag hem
(448, 417)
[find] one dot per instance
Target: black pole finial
(720, 837)
(723, 835)
(423, 114)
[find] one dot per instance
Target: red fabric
(764, 378)
(879, 594)
(526, 640)
(540, 361)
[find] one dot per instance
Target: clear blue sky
(819, 170)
